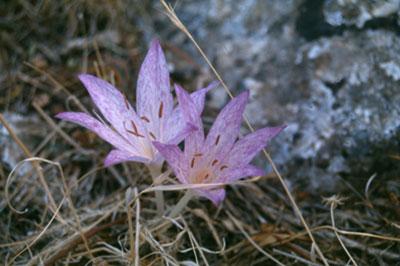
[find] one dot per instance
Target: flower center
(203, 176)
(204, 170)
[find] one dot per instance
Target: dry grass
(59, 206)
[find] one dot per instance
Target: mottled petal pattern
(177, 119)
(199, 96)
(189, 110)
(114, 107)
(246, 148)
(97, 127)
(118, 156)
(215, 195)
(233, 174)
(153, 94)
(182, 133)
(226, 127)
(193, 141)
(174, 156)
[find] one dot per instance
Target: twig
(75, 240)
(370, 250)
(155, 172)
(58, 129)
(137, 229)
(65, 247)
(36, 166)
(181, 204)
(292, 256)
(334, 201)
(195, 244)
(239, 226)
(67, 192)
(350, 233)
(28, 246)
(58, 85)
(203, 215)
(128, 195)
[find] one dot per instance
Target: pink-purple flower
(219, 157)
(152, 132)
(155, 119)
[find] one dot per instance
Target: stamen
(160, 110)
(217, 140)
(214, 162)
(223, 167)
(134, 133)
(192, 163)
(134, 126)
(145, 119)
(152, 135)
(198, 154)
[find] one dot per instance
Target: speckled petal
(246, 148)
(195, 140)
(176, 121)
(114, 107)
(226, 127)
(233, 174)
(153, 95)
(118, 156)
(174, 156)
(182, 134)
(215, 195)
(199, 96)
(97, 127)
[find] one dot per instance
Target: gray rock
(358, 12)
(314, 66)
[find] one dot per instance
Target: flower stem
(160, 202)
(155, 171)
(181, 204)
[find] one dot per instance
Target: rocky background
(328, 69)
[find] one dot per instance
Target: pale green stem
(155, 171)
(181, 204)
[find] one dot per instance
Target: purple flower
(155, 119)
(217, 158)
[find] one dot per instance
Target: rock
(328, 69)
(358, 12)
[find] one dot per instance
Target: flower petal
(97, 127)
(182, 134)
(199, 96)
(189, 110)
(233, 174)
(115, 108)
(194, 141)
(246, 148)
(153, 96)
(174, 156)
(118, 156)
(215, 195)
(225, 129)
(176, 121)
